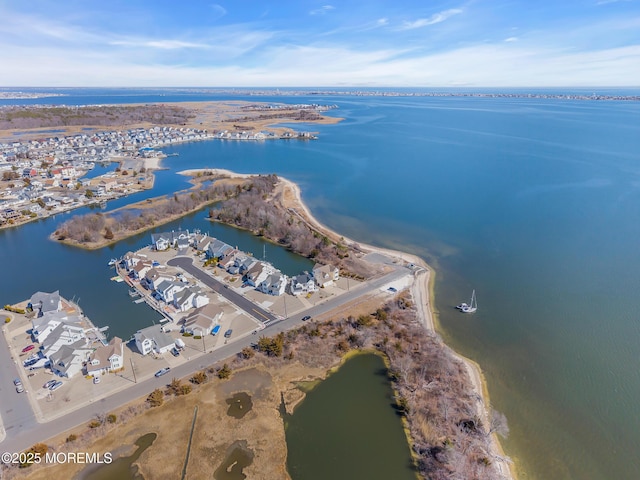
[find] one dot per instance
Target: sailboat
(471, 307)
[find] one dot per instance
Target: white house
(258, 273)
(141, 269)
(68, 360)
(106, 358)
(201, 321)
(168, 290)
(162, 241)
(274, 284)
(153, 278)
(325, 275)
(153, 339)
(303, 283)
(65, 334)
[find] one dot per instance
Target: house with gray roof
(42, 302)
(153, 339)
(274, 284)
(168, 290)
(218, 249)
(67, 333)
(68, 360)
(303, 283)
(164, 240)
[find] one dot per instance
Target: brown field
(27, 124)
(262, 428)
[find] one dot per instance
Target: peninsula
(450, 427)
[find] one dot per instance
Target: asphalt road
(15, 410)
(186, 263)
(20, 423)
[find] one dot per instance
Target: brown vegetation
(26, 117)
(432, 388)
(295, 115)
(259, 209)
(97, 229)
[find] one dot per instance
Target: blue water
(532, 202)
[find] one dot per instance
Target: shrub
(95, 423)
(199, 377)
(156, 398)
(112, 418)
(7, 320)
(224, 372)
(247, 352)
(72, 438)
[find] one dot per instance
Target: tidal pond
(347, 427)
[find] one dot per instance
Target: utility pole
(204, 348)
(135, 380)
(284, 297)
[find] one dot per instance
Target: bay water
(531, 202)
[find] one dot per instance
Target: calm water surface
(346, 428)
(532, 202)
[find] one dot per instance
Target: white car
(96, 380)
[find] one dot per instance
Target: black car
(306, 317)
(228, 333)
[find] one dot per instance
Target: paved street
(15, 409)
(186, 263)
(20, 423)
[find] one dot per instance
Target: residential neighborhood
(41, 177)
(207, 292)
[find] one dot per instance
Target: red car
(28, 348)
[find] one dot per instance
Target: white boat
(113, 261)
(471, 307)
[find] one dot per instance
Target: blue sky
(320, 43)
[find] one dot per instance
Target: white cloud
(219, 10)
(606, 2)
(511, 39)
(322, 10)
(159, 44)
(433, 19)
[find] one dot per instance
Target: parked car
(228, 333)
(49, 384)
(17, 382)
(306, 317)
(215, 330)
(175, 352)
(19, 388)
(30, 361)
(96, 380)
(392, 289)
(55, 386)
(162, 371)
(28, 348)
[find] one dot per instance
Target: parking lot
(81, 390)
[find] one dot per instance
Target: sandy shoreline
(422, 291)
